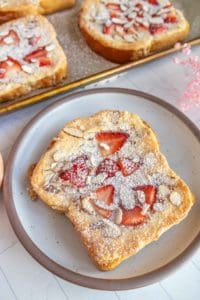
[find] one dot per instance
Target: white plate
(50, 237)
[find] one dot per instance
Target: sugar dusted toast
(30, 56)
(107, 174)
(12, 9)
(127, 30)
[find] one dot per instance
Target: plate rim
(57, 269)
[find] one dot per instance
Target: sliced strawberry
(113, 6)
(39, 55)
(156, 28)
(150, 193)
(110, 142)
(127, 166)
(133, 216)
(103, 212)
(109, 29)
(34, 40)
(153, 2)
(11, 38)
(105, 194)
(139, 5)
(108, 166)
(78, 173)
(45, 61)
(8, 67)
(170, 19)
(115, 13)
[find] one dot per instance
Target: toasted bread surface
(116, 213)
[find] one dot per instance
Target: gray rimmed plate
(51, 239)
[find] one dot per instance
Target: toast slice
(127, 30)
(30, 56)
(107, 174)
(12, 9)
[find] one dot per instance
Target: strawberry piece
(8, 67)
(34, 40)
(113, 6)
(108, 166)
(127, 166)
(77, 174)
(139, 5)
(39, 55)
(153, 2)
(11, 38)
(156, 28)
(150, 193)
(103, 212)
(45, 61)
(105, 194)
(170, 19)
(110, 142)
(115, 13)
(133, 217)
(109, 29)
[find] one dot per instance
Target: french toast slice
(107, 174)
(30, 56)
(127, 30)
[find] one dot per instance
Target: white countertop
(21, 277)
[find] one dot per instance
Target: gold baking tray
(85, 66)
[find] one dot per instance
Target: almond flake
(73, 131)
(117, 216)
(27, 69)
(87, 206)
(50, 47)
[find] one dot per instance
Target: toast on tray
(30, 56)
(107, 174)
(127, 30)
(12, 9)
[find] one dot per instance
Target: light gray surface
(22, 278)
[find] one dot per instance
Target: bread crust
(121, 51)
(106, 252)
(49, 77)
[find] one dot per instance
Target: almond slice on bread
(12, 9)
(116, 206)
(30, 56)
(127, 30)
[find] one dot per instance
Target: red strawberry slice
(170, 19)
(34, 40)
(115, 13)
(45, 61)
(153, 2)
(110, 142)
(108, 166)
(113, 6)
(150, 193)
(39, 55)
(139, 5)
(127, 166)
(11, 38)
(103, 212)
(156, 28)
(133, 217)
(78, 173)
(109, 29)
(105, 194)
(8, 67)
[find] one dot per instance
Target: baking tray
(85, 66)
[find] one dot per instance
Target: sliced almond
(117, 216)
(87, 206)
(73, 131)
(27, 69)
(50, 47)
(175, 198)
